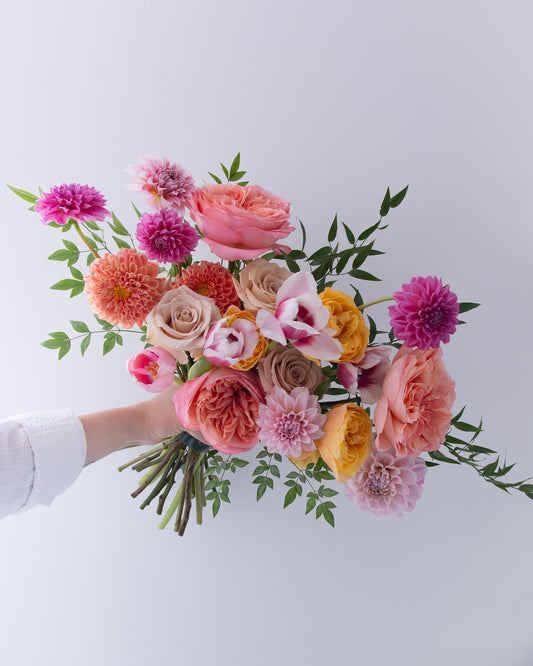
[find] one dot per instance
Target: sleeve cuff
(59, 446)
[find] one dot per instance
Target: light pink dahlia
(77, 202)
(387, 485)
(290, 423)
(165, 237)
(425, 313)
(165, 184)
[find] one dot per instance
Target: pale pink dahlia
(165, 184)
(387, 485)
(425, 313)
(165, 237)
(290, 423)
(77, 202)
(212, 280)
(124, 287)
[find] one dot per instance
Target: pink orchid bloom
(300, 318)
(227, 345)
(366, 377)
(153, 369)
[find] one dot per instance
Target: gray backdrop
(329, 103)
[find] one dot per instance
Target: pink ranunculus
(223, 404)
(414, 413)
(227, 345)
(301, 318)
(153, 369)
(240, 222)
(366, 377)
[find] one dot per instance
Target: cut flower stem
(376, 301)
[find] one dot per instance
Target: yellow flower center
(202, 289)
(120, 293)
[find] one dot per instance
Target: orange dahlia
(212, 280)
(124, 287)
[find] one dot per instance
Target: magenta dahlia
(290, 423)
(387, 485)
(165, 237)
(77, 202)
(165, 184)
(424, 313)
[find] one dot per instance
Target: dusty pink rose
(287, 368)
(223, 404)
(258, 284)
(414, 413)
(180, 322)
(153, 369)
(240, 222)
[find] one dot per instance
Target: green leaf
(368, 232)
(385, 204)
(304, 234)
(52, 344)
(137, 211)
(240, 463)
(349, 234)
(465, 307)
(226, 173)
(362, 255)
(332, 233)
(490, 468)
(60, 255)
(104, 324)
(109, 343)
(363, 275)
(92, 225)
(64, 349)
(23, 194)
(397, 199)
(120, 242)
(216, 506)
(85, 343)
(80, 286)
(526, 487)
(261, 490)
(291, 264)
(328, 492)
(234, 168)
(78, 275)
(311, 503)
(64, 285)
(237, 176)
(117, 226)
(438, 455)
(79, 326)
(466, 427)
(215, 178)
(290, 496)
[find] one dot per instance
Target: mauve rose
(240, 222)
(223, 404)
(414, 413)
(181, 321)
(287, 368)
(258, 284)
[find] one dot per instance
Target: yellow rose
(347, 323)
(347, 440)
(233, 313)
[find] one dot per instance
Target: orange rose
(347, 440)
(306, 458)
(347, 322)
(233, 313)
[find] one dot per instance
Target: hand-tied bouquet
(263, 350)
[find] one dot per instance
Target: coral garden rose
(258, 284)
(240, 222)
(347, 440)
(235, 341)
(347, 322)
(180, 322)
(153, 369)
(414, 413)
(223, 404)
(287, 368)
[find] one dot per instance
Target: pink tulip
(153, 369)
(227, 345)
(300, 318)
(366, 377)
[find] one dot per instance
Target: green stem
(172, 508)
(86, 240)
(375, 301)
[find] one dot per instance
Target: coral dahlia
(425, 313)
(212, 280)
(165, 237)
(387, 485)
(77, 202)
(165, 183)
(290, 423)
(124, 287)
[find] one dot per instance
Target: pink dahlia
(212, 280)
(165, 237)
(166, 184)
(425, 313)
(290, 423)
(77, 202)
(387, 485)
(124, 287)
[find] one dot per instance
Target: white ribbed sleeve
(41, 455)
